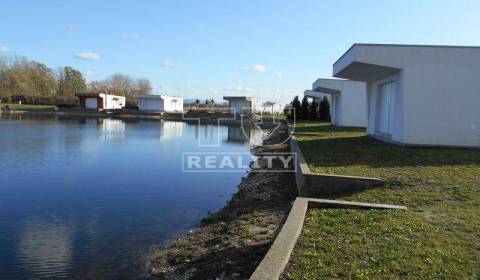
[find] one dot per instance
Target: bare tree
(143, 87)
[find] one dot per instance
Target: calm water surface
(89, 198)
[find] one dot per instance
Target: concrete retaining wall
(311, 184)
(277, 257)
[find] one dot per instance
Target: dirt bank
(230, 243)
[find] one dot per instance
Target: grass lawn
(27, 107)
(437, 237)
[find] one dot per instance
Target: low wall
(311, 184)
(277, 258)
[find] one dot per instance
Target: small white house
(243, 104)
(418, 95)
(348, 101)
(160, 103)
(100, 101)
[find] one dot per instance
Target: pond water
(90, 197)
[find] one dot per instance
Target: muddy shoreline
(230, 243)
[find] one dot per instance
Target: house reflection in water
(245, 135)
(45, 248)
(210, 134)
(112, 129)
(170, 129)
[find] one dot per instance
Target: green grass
(27, 107)
(441, 188)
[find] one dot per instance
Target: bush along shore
(231, 243)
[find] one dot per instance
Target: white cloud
(4, 49)
(278, 73)
(238, 89)
(256, 68)
(88, 56)
(170, 64)
(70, 28)
(132, 36)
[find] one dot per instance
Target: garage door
(386, 105)
(91, 103)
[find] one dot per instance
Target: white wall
(172, 104)
(113, 101)
(438, 92)
(442, 98)
(160, 103)
(352, 97)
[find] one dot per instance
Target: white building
(418, 95)
(317, 96)
(100, 101)
(348, 101)
(243, 104)
(272, 107)
(160, 103)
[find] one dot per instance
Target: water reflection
(112, 129)
(171, 129)
(245, 135)
(111, 199)
(45, 247)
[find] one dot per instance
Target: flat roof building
(348, 101)
(162, 103)
(100, 101)
(242, 104)
(418, 95)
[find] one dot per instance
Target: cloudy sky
(264, 48)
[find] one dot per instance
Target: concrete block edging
(310, 184)
(277, 257)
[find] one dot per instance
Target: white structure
(243, 104)
(160, 103)
(271, 107)
(318, 96)
(418, 95)
(101, 101)
(348, 102)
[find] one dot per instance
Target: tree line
(33, 82)
(306, 110)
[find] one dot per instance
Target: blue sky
(261, 48)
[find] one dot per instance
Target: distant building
(271, 107)
(161, 103)
(243, 104)
(317, 96)
(100, 101)
(348, 101)
(418, 95)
